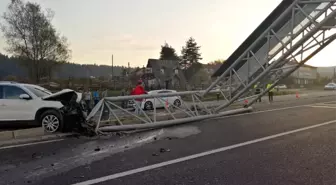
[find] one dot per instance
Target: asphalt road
(263, 147)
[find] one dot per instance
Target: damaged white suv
(30, 105)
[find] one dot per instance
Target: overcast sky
(134, 30)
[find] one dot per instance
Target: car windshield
(38, 91)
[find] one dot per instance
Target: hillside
(326, 71)
(11, 66)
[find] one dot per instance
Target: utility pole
(128, 75)
(87, 76)
(112, 69)
(112, 75)
(128, 69)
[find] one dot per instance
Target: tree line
(12, 69)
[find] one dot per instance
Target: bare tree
(31, 37)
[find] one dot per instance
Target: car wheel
(51, 121)
(177, 103)
(149, 105)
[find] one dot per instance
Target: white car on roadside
(330, 86)
(281, 86)
(149, 103)
(32, 105)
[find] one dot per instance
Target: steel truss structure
(309, 29)
(303, 29)
(108, 115)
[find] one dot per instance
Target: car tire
(51, 121)
(177, 103)
(148, 105)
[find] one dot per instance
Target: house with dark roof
(164, 74)
(305, 75)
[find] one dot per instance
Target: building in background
(164, 74)
(304, 76)
(327, 72)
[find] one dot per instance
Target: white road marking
(190, 157)
(321, 106)
(30, 144)
(271, 110)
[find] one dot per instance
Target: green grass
(208, 97)
(113, 93)
(213, 96)
(281, 93)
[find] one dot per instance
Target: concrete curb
(28, 135)
(21, 133)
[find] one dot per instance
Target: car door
(171, 99)
(3, 110)
(163, 100)
(17, 109)
(157, 101)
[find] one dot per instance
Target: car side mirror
(25, 97)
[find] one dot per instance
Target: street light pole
(112, 75)
(112, 69)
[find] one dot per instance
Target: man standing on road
(95, 97)
(138, 90)
(270, 92)
(87, 99)
(257, 91)
(104, 93)
(123, 103)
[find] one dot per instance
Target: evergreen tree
(190, 54)
(168, 53)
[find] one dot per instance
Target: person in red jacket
(138, 90)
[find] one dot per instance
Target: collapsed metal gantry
(303, 29)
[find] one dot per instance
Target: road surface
(291, 142)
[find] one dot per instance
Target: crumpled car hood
(65, 95)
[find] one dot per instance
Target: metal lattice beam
(287, 43)
(299, 33)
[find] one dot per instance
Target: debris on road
(163, 150)
(36, 156)
(97, 149)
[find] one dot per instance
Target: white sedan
(330, 86)
(148, 104)
(282, 86)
